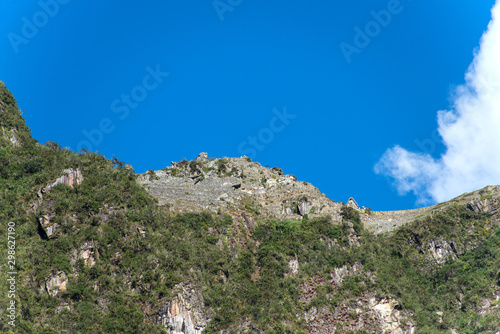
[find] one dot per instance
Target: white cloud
(470, 132)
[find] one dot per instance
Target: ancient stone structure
(385, 221)
(185, 194)
(351, 203)
(483, 200)
(240, 187)
(236, 185)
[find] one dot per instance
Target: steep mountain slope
(236, 185)
(13, 129)
(226, 246)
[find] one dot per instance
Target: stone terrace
(239, 187)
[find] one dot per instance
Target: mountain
(225, 245)
(13, 129)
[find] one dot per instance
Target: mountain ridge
(238, 184)
(228, 246)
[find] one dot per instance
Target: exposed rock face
(304, 207)
(293, 266)
(365, 313)
(87, 252)
(390, 318)
(484, 200)
(55, 283)
(202, 157)
(338, 274)
(236, 184)
(48, 226)
(440, 250)
(240, 185)
(362, 314)
(488, 306)
(11, 136)
(70, 178)
(185, 313)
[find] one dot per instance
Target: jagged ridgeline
(229, 246)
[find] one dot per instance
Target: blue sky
(156, 81)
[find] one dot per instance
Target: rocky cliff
(185, 313)
(229, 246)
(236, 185)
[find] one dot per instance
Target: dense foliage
(144, 251)
(10, 120)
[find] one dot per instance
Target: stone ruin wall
(242, 187)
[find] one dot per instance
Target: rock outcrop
(202, 157)
(71, 177)
(490, 305)
(185, 313)
(236, 184)
(11, 136)
(365, 313)
(440, 250)
(87, 252)
(47, 226)
(54, 284)
(486, 200)
(240, 185)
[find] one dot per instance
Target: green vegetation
(351, 215)
(11, 121)
(143, 252)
